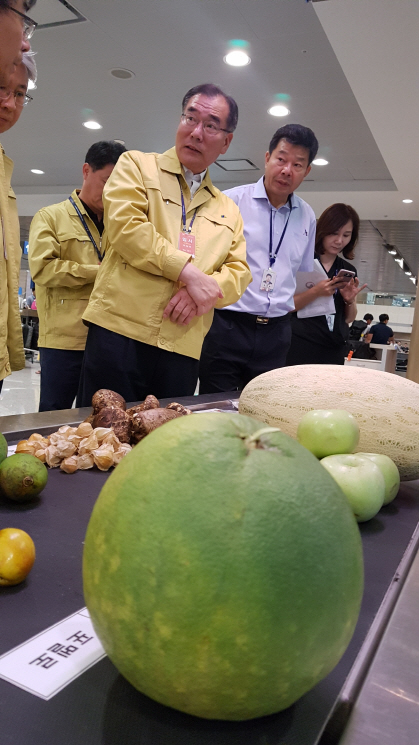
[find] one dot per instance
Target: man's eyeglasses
(21, 98)
(210, 128)
(29, 25)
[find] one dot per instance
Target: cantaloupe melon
(385, 406)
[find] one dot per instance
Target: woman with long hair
(322, 339)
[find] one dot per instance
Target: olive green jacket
(12, 356)
(64, 265)
(139, 275)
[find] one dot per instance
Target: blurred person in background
(12, 100)
(323, 339)
(16, 28)
(65, 252)
(380, 333)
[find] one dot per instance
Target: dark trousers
(133, 369)
(238, 347)
(60, 376)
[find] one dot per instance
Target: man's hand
(204, 290)
(181, 309)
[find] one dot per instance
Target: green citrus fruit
(222, 567)
(3, 448)
(22, 477)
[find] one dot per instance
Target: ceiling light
(37, 171)
(393, 252)
(408, 201)
(409, 274)
(92, 125)
(122, 73)
(412, 279)
(237, 58)
(320, 162)
(278, 110)
(120, 142)
(400, 262)
(31, 85)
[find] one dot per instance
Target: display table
(100, 707)
(388, 356)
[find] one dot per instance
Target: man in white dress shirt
(253, 335)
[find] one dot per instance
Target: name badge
(187, 243)
(268, 280)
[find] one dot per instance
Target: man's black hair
(100, 154)
(368, 317)
(383, 317)
(211, 90)
(296, 134)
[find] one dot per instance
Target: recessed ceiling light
(393, 253)
(409, 274)
(37, 171)
(122, 73)
(320, 162)
(412, 279)
(278, 110)
(408, 201)
(92, 125)
(237, 58)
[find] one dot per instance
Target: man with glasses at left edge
(176, 251)
(16, 28)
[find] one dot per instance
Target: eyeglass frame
(29, 24)
(199, 121)
(14, 94)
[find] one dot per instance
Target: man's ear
(307, 171)
(227, 140)
(86, 171)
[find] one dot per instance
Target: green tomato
(328, 432)
(361, 481)
(390, 472)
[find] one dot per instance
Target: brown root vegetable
(151, 402)
(143, 422)
(89, 419)
(118, 419)
(106, 399)
(178, 407)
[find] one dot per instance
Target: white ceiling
(349, 67)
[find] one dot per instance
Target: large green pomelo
(223, 572)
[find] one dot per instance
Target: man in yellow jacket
(16, 28)
(65, 252)
(12, 100)
(176, 251)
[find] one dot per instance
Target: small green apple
(328, 431)
(361, 481)
(390, 472)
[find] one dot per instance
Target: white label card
(48, 662)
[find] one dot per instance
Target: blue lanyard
(185, 229)
(87, 229)
(272, 256)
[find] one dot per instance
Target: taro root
(150, 402)
(118, 419)
(143, 422)
(178, 407)
(106, 399)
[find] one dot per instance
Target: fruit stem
(252, 441)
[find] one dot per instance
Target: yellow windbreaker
(138, 277)
(12, 356)
(64, 265)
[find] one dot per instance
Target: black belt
(252, 319)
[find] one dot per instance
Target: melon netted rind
(224, 578)
(386, 406)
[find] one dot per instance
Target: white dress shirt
(194, 180)
(295, 254)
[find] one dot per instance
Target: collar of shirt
(260, 193)
(194, 180)
(93, 216)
